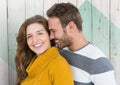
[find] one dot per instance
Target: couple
(38, 61)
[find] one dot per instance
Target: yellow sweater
(49, 68)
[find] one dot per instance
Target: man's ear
(71, 26)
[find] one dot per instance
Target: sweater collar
(38, 64)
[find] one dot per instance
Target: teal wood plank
(100, 25)
(85, 11)
(115, 50)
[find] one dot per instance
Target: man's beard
(64, 42)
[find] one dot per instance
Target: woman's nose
(35, 38)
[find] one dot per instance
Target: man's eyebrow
(51, 29)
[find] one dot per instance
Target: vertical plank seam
(7, 16)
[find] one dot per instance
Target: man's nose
(52, 36)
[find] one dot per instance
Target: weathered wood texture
(101, 26)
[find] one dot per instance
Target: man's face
(62, 39)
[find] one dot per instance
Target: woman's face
(38, 39)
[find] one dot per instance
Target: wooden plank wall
(101, 26)
(3, 44)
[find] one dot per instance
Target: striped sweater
(90, 66)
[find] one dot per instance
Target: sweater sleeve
(61, 73)
(102, 72)
(106, 78)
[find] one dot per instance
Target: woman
(37, 62)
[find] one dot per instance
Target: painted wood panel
(115, 50)
(3, 31)
(101, 26)
(85, 11)
(34, 7)
(3, 44)
(47, 5)
(16, 15)
(115, 40)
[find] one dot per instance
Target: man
(88, 64)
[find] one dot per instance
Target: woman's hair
(23, 53)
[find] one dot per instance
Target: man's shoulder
(92, 66)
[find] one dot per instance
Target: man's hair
(66, 12)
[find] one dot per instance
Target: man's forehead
(54, 19)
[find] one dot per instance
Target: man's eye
(53, 31)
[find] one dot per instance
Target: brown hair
(23, 54)
(66, 12)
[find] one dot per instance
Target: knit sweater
(90, 66)
(49, 68)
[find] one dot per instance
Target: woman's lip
(37, 45)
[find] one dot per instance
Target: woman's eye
(40, 33)
(29, 37)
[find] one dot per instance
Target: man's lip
(56, 41)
